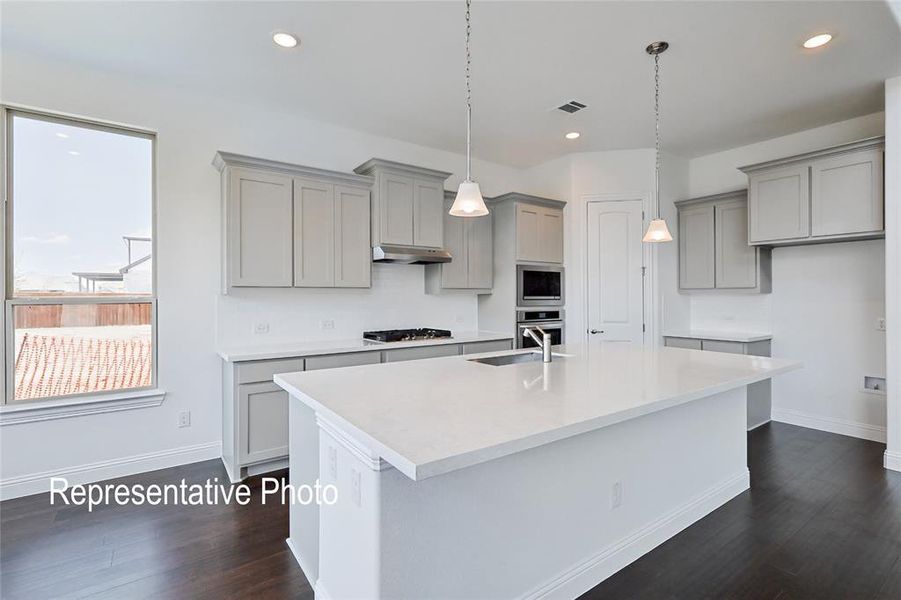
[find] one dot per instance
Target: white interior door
(615, 286)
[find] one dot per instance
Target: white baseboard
(303, 565)
(38, 483)
(892, 460)
(761, 424)
(864, 431)
(587, 574)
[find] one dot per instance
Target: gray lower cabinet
(288, 225)
(713, 246)
(760, 393)
(830, 195)
(470, 242)
(255, 409)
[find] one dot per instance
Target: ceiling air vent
(572, 106)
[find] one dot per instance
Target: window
(80, 282)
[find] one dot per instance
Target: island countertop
(430, 417)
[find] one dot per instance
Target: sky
(76, 192)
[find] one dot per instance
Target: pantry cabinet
(830, 195)
(713, 246)
(287, 225)
(470, 242)
(407, 204)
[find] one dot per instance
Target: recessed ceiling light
(820, 39)
(572, 135)
(74, 152)
(62, 135)
(285, 40)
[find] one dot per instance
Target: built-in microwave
(539, 285)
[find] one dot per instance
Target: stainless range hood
(406, 255)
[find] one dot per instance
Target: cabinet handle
(594, 331)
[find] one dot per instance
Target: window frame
(7, 345)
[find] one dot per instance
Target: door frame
(648, 262)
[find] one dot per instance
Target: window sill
(76, 407)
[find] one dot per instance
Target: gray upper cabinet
(258, 234)
(470, 242)
(696, 248)
(539, 233)
(713, 246)
(829, 195)
(286, 225)
(407, 203)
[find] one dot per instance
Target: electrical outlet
(261, 327)
(616, 495)
(184, 418)
(356, 493)
(327, 324)
(880, 324)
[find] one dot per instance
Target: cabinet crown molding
(741, 194)
(222, 159)
(520, 197)
(374, 164)
(873, 142)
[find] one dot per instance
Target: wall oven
(550, 320)
(539, 285)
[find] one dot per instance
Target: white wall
(825, 300)
(893, 265)
(190, 130)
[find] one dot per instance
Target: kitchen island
(462, 479)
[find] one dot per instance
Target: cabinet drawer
(264, 417)
(336, 361)
(677, 342)
(424, 352)
(263, 370)
(492, 346)
(720, 346)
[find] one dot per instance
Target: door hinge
(642, 328)
(644, 271)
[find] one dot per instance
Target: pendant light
(469, 202)
(657, 229)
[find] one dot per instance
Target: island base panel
(540, 523)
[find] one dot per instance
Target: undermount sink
(509, 359)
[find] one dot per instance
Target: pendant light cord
(468, 96)
(657, 132)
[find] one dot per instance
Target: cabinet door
(263, 434)
(314, 234)
(696, 248)
(353, 255)
(396, 210)
(527, 232)
(454, 273)
(402, 354)
(736, 261)
(480, 252)
(428, 213)
(779, 204)
(550, 234)
(846, 194)
(259, 232)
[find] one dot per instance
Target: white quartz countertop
(429, 417)
(720, 336)
(314, 348)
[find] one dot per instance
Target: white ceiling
(734, 74)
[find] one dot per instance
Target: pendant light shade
(657, 229)
(657, 232)
(469, 202)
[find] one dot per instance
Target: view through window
(82, 300)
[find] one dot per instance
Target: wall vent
(572, 106)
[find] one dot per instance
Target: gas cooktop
(405, 335)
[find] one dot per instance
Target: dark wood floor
(822, 520)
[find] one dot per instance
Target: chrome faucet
(544, 341)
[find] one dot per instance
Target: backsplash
(721, 312)
(397, 299)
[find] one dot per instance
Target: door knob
(594, 331)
